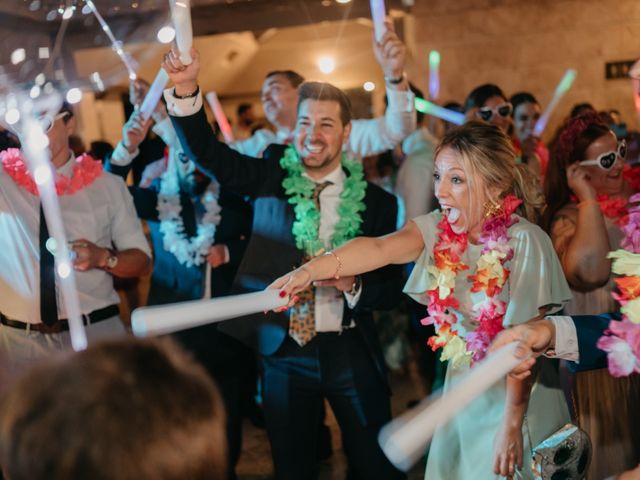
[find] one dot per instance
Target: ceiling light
(18, 55)
(369, 86)
(343, 1)
(74, 95)
(166, 34)
(326, 64)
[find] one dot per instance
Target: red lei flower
(85, 171)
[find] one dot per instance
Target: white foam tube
(378, 13)
(34, 147)
(162, 319)
(221, 118)
(153, 95)
(181, 16)
(404, 439)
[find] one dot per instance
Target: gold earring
(492, 209)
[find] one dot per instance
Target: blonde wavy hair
(487, 152)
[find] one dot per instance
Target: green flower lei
(300, 192)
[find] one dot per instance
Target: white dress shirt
(566, 338)
(102, 213)
(368, 136)
(329, 301)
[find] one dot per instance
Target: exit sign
(613, 70)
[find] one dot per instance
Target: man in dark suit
(341, 359)
(569, 338)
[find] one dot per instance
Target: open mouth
(313, 149)
(452, 214)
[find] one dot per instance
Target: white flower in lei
(189, 251)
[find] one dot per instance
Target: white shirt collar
(67, 168)
(336, 177)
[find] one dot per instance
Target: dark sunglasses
(504, 110)
(607, 160)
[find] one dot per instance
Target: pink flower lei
(489, 279)
(85, 171)
(622, 340)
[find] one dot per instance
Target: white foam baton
(35, 150)
(434, 74)
(181, 16)
(562, 88)
(153, 95)
(115, 44)
(221, 118)
(404, 439)
(430, 108)
(162, 319)
(378, 13)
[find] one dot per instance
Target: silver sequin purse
(564, 455)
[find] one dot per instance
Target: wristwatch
(112, 260)
(395, 81)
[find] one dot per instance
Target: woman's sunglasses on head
(487, 113)
(607, 160)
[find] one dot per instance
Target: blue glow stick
(562, 88)
(430, 108)
(434, 74)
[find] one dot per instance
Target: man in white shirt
(103, 230)
(368, 136)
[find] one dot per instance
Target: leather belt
(62, 325)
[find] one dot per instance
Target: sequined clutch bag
(564, 455)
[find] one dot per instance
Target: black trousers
(296, 380)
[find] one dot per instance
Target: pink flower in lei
(631, 228)
(85, 171)
(490, 278)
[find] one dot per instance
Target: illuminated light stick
(115, 44)
(153, 95)
(404, 439)
(221, 118)
(159, 320)
(34, 147)
(181, 16)
(430, 108)
(378, 13)
(562, 88)
(434, 74)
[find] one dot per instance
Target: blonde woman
(481, 264)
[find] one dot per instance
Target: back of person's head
(243, 108)
(580, 108)
(521, 98)
(100, 149)
(294, 77)
(487, 152)
(479, 96)
(322, 91)
(570, 147)
(126, 410)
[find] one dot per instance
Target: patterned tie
(302, 319)
(48, 303)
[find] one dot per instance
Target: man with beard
(326, 347)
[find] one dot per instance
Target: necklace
(307, 223)
(488, 281)
(85, 171)
(188, 251)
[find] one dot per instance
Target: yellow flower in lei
(443, 280)
(455, 351)
(632, 310)
(625, 263)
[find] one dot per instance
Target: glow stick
(160, 320)
(431, 108)
(115, 44)
(562, 88)
(153, 95)
(221, 118)
(404, 439)
(434, 74)
(181, 15)
(34, 146)
(378, 13)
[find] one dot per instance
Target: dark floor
(255, 460)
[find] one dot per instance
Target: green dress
(463, 448)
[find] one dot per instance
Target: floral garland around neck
(188, 251)
(307, 223)
(488, 282)
(85, 171)
(622, 340)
